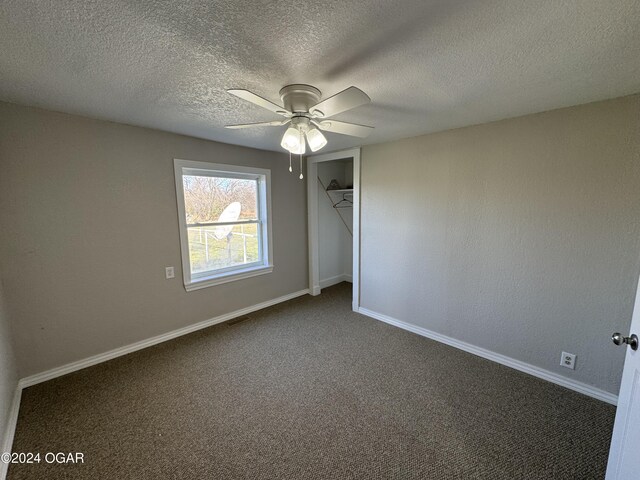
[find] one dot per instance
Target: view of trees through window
(214, 206)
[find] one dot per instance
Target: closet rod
(336, 210)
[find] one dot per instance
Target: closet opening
(333, 189)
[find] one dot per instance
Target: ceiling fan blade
(275, 123)
(347, 99)
(345, 128)
(261, 102)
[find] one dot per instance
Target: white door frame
(312, 205)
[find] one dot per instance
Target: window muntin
(224, 222)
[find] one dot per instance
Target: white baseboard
(118, 352)
(10, 429)
(496, 357)
(327, 282)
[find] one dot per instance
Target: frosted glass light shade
(293, 141)
(316, 139)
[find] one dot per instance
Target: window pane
(206, 198)
(212, 248)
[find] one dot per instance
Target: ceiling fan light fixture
(316, 139)
(304, 110)
(293, 141)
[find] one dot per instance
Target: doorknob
(632, 341)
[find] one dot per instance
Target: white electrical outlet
(169, 272)
(568, 360)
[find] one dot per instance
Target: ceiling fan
(308, 115)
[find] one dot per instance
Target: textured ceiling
(427, 65)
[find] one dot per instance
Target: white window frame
(230, 274)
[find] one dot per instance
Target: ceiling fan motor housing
(300, 122)
(298, 98)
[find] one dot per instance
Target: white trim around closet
(312, 205)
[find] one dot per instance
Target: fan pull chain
(301, 176)
(290, 169)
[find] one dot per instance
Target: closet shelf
(342, 190)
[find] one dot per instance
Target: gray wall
(520, 236)
(8, 370)
(88, 222)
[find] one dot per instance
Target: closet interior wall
(335, 225)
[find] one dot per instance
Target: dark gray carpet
(308, 389)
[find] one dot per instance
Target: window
(225, 227)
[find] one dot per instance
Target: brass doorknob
(619, 339)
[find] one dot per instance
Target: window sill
(227, 277)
